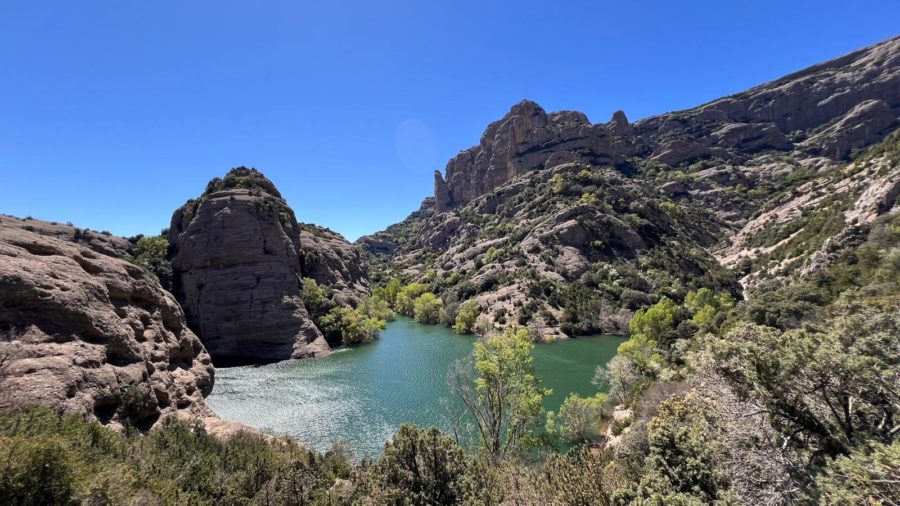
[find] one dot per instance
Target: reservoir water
(362, 395)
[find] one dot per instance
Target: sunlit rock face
(235, 254)
(83, 330)
(827, 109)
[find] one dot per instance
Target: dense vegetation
(343, 324)
(150, 252)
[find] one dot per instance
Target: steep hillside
(568, 227)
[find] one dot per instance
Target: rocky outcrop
(837, 106)
(802, 101)
(524, 140)
(333, 262)
(236, 259)
(863, 125)
(85, 331)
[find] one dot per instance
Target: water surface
(361, 395)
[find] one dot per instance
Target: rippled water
(362, 395)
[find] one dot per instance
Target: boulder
(87, 332)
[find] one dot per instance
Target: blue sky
(113, 113)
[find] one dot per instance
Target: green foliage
(557, 183)
(681, 467)
(577, 478)
(869, 475)
(150, 253)
(500, 390)
(492, 254)
(827, 388)
(36, 471)
(650, 328)
(49, 459)
(343, 324)
(466, 316)
(315, 298)
(427, 308)
(579, 419)
(352, 325)
(420, 467)
(404, 302)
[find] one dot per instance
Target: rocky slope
(580, 223)
(236, 259)
(333, 262)
(83, 330)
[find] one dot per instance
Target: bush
(465, 317)
(36, 471)
(579, 418)
(420, 467)
(50, 459)
(150, 253)
(427, 308)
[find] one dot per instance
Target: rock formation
(333, 262)
(84, 331)
(568, 226)
(847, 103)
(236, 258)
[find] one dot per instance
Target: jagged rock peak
(524, 140)
(236, 261)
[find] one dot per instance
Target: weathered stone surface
(858, 95)
(864, 124)
(237, 272)
(333, 262)
(524, 140)
(83, 331)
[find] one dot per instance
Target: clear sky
(113, 113)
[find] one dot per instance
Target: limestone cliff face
(85, 331)
(236, 258)
(828, 109)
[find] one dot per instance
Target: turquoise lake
(362, 395)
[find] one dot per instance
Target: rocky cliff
(236, 259)
(334, 263)
(828, 109)
(568, 226)
(83, 330)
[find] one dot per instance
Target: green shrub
(466, 316)
(427, 308)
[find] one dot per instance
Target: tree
(404, 302)
(421, 467)
(827, 390)
(427, 308)
(315, 298)
(465, 317)
(649, 329)
(498, 386)
(579, 418)
(150, 253)
(351, 325)
(619, 375)
(866, 476)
